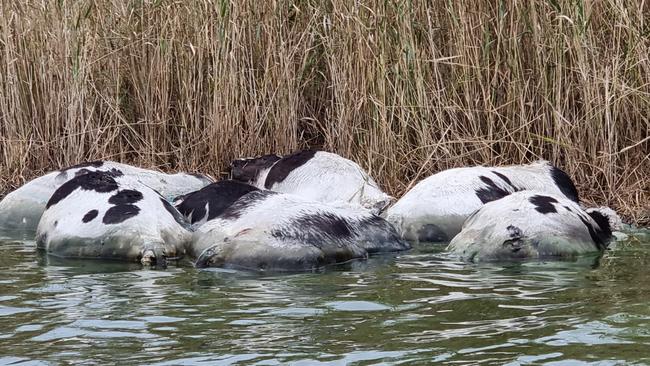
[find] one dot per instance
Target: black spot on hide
(543, 204)
(491, 192)
(281, 169)
(506, 180)
(599, 236)
(113, 172)
(120, 213)
(125, 197)
(100, 182)
(90, 216)
(326, 223)
(602, 232)
(564, 184)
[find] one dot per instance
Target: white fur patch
(328, 177)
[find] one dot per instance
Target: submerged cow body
(314, 175)
(21, 209)
(531, 224)
(265, 230)
(106, 215)
(434, 209)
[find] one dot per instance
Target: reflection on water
(414, 308)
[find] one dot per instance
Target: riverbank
(405, 89)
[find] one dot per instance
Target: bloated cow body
(265, 230)
(531, 224)
(106, 215)
(21, 209)
(434, 209)
(314, 175)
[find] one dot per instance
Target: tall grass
(406, 88)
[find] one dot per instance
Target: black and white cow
(265, 230)
(315, 175)
(21, 209)
(434, 209)
(107, 215)
(532, 224)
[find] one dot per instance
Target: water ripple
(418, 307)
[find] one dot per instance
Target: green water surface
(418, 307)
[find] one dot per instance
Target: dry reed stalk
(404, 88)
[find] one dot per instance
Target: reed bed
(406, 88)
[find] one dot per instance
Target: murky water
(414, 308)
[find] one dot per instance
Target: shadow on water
(417, 307)
(90, 266)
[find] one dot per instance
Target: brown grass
(406, 88)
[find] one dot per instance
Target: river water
(418, 307)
